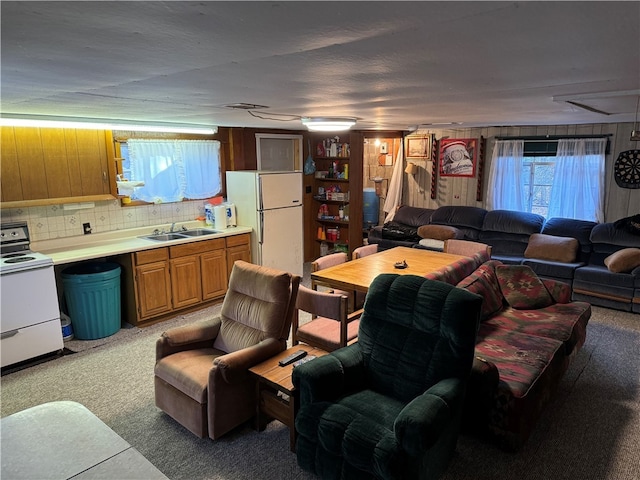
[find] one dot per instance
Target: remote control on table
(292, 358)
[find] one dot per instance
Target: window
(537, 179)
(172, 170)
(557, 179)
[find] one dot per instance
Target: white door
(282, 239)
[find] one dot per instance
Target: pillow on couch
(623, 261)
(521, 287)
(483, 281)
(552, 248)
(439, 232)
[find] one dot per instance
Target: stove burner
(11, 255)
(18, 259)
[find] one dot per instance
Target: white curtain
(394, 194)
(505, 190)
(578, 180)
(175, 169)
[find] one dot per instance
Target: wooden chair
(327, 261)
(360, 252)
(330, 326)
(364, 251)
(467, 248)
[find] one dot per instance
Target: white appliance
(29, 311)
(271, 204)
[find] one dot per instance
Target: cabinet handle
(104, 176)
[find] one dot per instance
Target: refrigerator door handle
(261, 232)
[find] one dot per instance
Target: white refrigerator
(270, 203)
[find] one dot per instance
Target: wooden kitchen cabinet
(54, 165)
(238, 248)
(153, 282)
(163, 280)
(198, 272)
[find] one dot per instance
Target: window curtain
(505, 190)
(578, 180)
(175, 169)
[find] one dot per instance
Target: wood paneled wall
(619, 202)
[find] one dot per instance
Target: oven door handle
(9, 334)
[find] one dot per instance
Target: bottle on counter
(208, 214)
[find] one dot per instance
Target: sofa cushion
(467, 219)
(439, 232)
(570, 227)
(484, 282)
(551, 247)
(624, 260)
(566, 322)
(558, 270)
(508, 232)
(522, 288)
(608, 234)
(413, 216)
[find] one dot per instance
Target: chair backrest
(467, 248)
(364, 251)
(328, 261)
(260, 303)
(415, 332)
(321, 304)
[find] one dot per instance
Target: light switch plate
(383, 147)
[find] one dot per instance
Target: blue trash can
(92, 293)
(371, 206)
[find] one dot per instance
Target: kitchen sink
(165, 237)
(198, 232)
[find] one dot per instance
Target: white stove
(28, 329)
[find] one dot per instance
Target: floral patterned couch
(530, 331)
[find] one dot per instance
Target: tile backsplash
(53, 221)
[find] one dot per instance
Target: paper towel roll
(220, 213)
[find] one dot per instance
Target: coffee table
(277, 398)
(357, 275)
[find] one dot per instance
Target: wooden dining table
(357, 275)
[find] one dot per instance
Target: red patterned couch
(529, 333)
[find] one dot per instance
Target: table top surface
(358, 274)
(280, 377)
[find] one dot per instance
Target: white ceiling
(393, 65)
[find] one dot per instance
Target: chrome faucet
(173, 225)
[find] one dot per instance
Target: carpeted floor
(590, 431)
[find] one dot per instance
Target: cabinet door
(154, 289)
(238, 252)
(186, 286)
(213, 269)
(53, 163)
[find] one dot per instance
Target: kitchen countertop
(98, 245)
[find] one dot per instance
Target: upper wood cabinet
(42, 166)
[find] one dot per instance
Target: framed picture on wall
(419, 146)
(458, 157)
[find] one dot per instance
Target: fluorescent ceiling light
(328, 124)
(102, 125)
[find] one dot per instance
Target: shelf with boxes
(337, 192)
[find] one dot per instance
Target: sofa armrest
(188, 337)
(234, 366)
(330, 376)
(559, 291)
(421, 423)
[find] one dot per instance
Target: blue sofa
(518, 238)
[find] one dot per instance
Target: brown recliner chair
(201, 372)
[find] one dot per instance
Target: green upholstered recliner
(389, 406)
